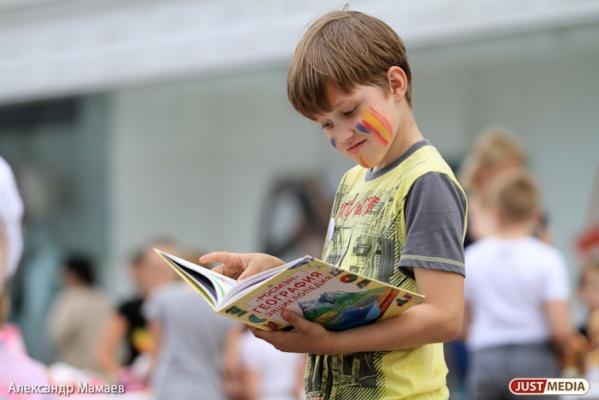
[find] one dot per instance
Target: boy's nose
(347, 134)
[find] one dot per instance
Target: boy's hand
(240, 265)
(305, 337)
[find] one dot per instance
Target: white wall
(195, 159)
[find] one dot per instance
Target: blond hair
(516, 196)
(344, 49)
(494, 149)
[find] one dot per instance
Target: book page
(249, 283)
(213, 284)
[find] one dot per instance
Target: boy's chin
(366, 162)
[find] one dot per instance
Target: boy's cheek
(374, 124)
(371, 156)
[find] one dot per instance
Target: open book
(335, 298)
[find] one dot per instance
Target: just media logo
(548, 386)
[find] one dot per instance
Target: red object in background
(588, 241)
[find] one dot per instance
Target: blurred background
(127, 121)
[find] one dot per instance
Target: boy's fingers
(260, 334)
(219, 270)
(295, 320)
(249, 271)
(227, 270)
(232, 263)
(220, 257)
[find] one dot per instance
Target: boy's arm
(106, 352)
(558, 317)
(438, 319)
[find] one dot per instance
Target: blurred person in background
(591, 359)
(189, 343)
(270, 374)
(233, 378)
(588, 288)
(494, 152)
(11, 247)
(11, 215)
(517, 295)
(16, 367)
(127, 326)
(78, 314)
(588, 293)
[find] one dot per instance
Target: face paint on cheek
(333, 143)
(377, 124)
(362, 129)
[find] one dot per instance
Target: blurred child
(270, 374)
(11, 213)
(517, 295)
(494, 152)
(592, 357)
(588, 288)
(17, 369)
(398, 216)
(255, 370)
(588, 292)
(189, 342)
(78, 314)
(127, 326)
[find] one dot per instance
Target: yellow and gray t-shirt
(410, 214)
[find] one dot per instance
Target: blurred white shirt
(507, 284)
(11, 214)
(277, 370)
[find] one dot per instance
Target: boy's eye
(326, 125)
(350, 112)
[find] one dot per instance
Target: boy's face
(362, 124)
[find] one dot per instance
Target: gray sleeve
(434, 216)
(153, 306)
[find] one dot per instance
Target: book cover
(335, 298)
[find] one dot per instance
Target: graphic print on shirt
(363, 240)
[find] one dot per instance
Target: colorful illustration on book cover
(342, 310)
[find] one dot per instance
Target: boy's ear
(398, 82)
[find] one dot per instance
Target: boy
(517, 294)
(399, 216)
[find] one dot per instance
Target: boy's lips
(356, 147)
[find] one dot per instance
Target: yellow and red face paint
(374, 123)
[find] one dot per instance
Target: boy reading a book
(398, 216)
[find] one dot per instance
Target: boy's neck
(407, 135)
(515, 230)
